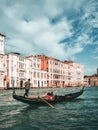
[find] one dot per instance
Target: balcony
(2, 69)
(22, 69)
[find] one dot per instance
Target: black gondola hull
(38, 101)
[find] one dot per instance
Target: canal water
(80, 114)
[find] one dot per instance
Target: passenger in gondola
(27, 87)
(50, 95)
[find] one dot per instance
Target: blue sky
(64, 29)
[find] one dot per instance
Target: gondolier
(27, 87)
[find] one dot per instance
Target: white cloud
(42, 34)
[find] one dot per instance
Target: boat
(48, 99)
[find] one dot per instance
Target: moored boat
(48, 99)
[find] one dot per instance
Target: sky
(63, 29)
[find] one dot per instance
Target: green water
(80, 114)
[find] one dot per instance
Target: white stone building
(75, 74)
(15, 69)
(20, 68)
(38, 76)
(57, 73)
(2, 65)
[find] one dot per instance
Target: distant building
(86, 81)
(91, 80)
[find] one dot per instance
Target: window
(34, 74)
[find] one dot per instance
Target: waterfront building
(91, 80)
(61, 74)
(20, 69)
(55, 76)
(15, 69)
(38, 76)
(86, 81)
(2, 65)
(75, 73)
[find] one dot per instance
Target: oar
(47, 102)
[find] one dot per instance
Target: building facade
(15, 69)
(91, 80)
(75, 74)
(20, 69)
(2, 65)
(62, 74)
(38, 76)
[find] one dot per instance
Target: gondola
(49, 99)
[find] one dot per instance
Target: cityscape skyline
(65, 30)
